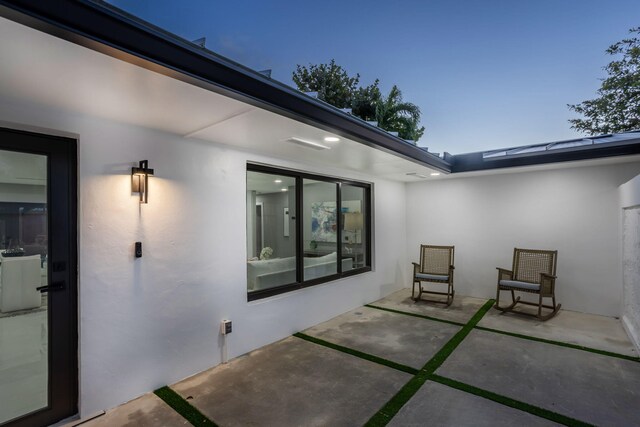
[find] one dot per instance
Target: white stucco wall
(630, 205)
(152, 321)
(574, 210)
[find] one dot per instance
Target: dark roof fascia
(108, 30)
(474, 161)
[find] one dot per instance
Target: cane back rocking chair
(436, 266)
(534, 271)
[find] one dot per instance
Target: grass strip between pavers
(366, 356)
(513, 334)
(561, 344)
(507, 401)
(184, 408)
(407, 313)
(391, 408)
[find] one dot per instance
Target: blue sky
(486, 74)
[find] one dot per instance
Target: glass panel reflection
(320, 229)
(23, 268)
(354, 233)
(271, 231)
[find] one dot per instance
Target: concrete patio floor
(451, 369)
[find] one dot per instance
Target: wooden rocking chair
(436, 266)
(534, 271)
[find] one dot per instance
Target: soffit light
(417, 175)
(331, 139)
(278, 181)
(435, 173)
(308, 144)
(140, 180)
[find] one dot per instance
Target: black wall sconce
(140, 180)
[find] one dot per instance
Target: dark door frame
(62, 208)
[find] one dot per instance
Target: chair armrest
(547, 283)
(504, 274)
(416, 268)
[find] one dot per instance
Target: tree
(336, 87)
(394, 115)
(331, 81)
(365, 100)
(617, 107)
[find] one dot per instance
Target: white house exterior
(150, 321)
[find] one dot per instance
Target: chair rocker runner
(534, 271)
(436, 266)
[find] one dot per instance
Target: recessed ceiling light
(284, 189)
(278, 181)
(331, 139)
(435, 173)
(309, 144)
(417, 175)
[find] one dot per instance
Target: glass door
(38, 362)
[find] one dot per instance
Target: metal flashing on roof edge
(610, 145)
(106, 29)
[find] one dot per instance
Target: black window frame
(299, 244)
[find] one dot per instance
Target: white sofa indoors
(269, 273)
(19, 278)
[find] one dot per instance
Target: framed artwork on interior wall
(286, 222)
(324, 224)
(324, 221)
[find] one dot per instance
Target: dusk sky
(486, 74)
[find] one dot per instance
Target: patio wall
(630, 206)
(572, 209)
(152, 321)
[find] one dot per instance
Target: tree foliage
(336, 87)
(393, 114)
(365, 101)
(617, 107)
(331, 81)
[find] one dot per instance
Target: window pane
(320, 229)
(354, 234)
(24, 320)
(271, 231)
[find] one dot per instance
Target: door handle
(56, 286)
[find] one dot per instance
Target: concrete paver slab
(438, 405)
(461, 310)
(408, 340)
(589, 330)
(598, 389)
(292, 382)
(146, 411)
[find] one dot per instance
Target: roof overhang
(100, 27)
(103, 28)
(597, 147)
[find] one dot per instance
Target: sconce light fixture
(140, 180)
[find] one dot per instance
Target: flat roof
(593, 147)
(109, 30)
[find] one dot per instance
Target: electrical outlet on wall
(225, 327)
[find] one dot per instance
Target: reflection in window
(354, 233)
(320, 228)
(304, 229)
(271, 231)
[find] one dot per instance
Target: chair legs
(450, 294)
(554, 308)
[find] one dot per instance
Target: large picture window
(304, 229)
